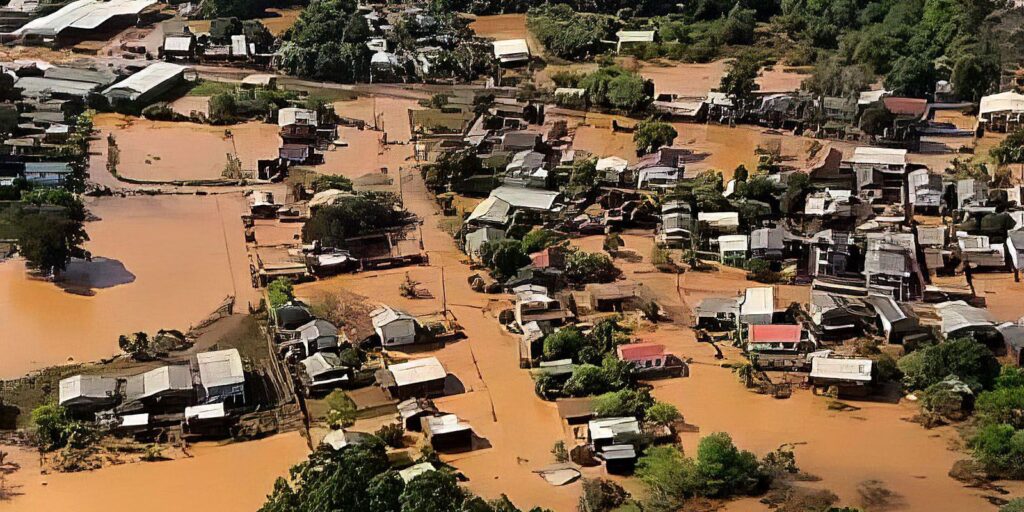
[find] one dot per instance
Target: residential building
(323, 370)
(164, 385)
(642, 355)
(417, 378)
(611, 170)
(895, 320)
(768, 243)
(849, 376)
(880, 174)
(717, 312)
(627, 38)
(511, 51)
(87, 393)
(393, 327)
(48, 174)
(1001, 112)
(221, 376)
(757, 306)
(775, 338)
(447, 433)
(732, 249)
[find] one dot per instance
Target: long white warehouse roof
(82, 14)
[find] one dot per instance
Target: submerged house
(895, 320)
(167, 385)
(717, 312)
(323, 370)
(417, 378)
(775, 339)
(395, 328)
(87, 393)
(850, 376)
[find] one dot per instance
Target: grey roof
(957, 315)
(48, 167)
(475, 239)
(767, 238)
(528, 198)
(33, 86)
(491, 209)
(444, 424)
(384, 315)
(86, 387)
(98, 78)
(887, 307)
(82, 15)
(320, 363)
(159, 380)
(714, 305)
(1013, 335)
(148, 79)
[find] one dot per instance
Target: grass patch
(210, 88)
(248, 339)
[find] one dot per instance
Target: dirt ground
(276, 19)
(226, 477)
(163, 262)
(163, 150)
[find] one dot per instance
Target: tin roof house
(446, 433)
(775, 338)
(511, 51)
(850, 376)
(221, 376)
(880, 174)
(757, 306)
(395, 328)
(87, 393)
(324, 370)
(416, 378)
(167, 385)
(890, 265)
(1001, 112)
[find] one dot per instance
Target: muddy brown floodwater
(227, 478)
(163, 262)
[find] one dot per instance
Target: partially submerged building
(222, 376)
(849, 376)
(417, 378)
(87, 393)
(147, 85)
(393, 327)
(447, 433)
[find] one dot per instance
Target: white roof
(178, 43)
(135, 420)
(719, 98)
(320, 363)
(1009, 101)
(150, 77)
(607, 428)
(885, 156)
(385, 315)
(291, 115)
(205, 412)
(612, 163)
(844, 369)
(491, 209)
(445, 424)
(635, 36)
(570, 91)
(529, 198)
(414, 471)
(418, 370)
(758, 301)
(511, 49)
(220, 368)
(86, 386)
(730, 243)
(958, 315)
(868, 97)
(719, 218)
(82, 14)
(165, 378)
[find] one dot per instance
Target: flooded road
(163, 262)
(226, 478)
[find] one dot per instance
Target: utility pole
(444, 295)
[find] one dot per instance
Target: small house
(179, 46)
(511, 51)
(757, 306)
(611, 170)
(958, 319)
(608, 297)
(1013, 338)
(880, 173)
(732, 249)
(896, 321)
(576, 410)
(533, 304)
(717, 312)
(447, 433)
(720, 222)
(48, 174)
(222, 376)
(315, 336)
(165, 385)
(850, 376)
(604, 432)
(323, 370)
(627, 38)
(476, 239)
(87, 393)
(1001, 112)
(395, 328)
(775, 338)
(767, 243)
(836, 317)
(410, 411)
(642, 355)
(212, 419)
(417, 378)
(292, 315)
(619, 459)
(978, 252)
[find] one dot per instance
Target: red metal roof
(775, 333)
(639, 351)
(905, 106)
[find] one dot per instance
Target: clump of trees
(568, 34)
(237, 104)
(651, 135)
(719, 470)
(48, 226)
(583, 267)
(328, 42)
(360, 477)
(232, 8)
(362, 214)
(280, 291)
(998, 443)
(967, 359)
(615, 87)
(331, 182)
(55, 428)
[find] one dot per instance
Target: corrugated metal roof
(775, 333)
(1009, 101)
(82, 14)
(152, 76)
(220, 368)
(417, 371)
(841, 369)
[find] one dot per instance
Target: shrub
(391, 434)
(341, 410)
(586, 267)
(55, 428)
(280, 291)
(965, 358)
(625, 402)
(662, 413)
(651, 135)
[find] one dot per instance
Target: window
(657, 362)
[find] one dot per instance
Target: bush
(584, 267)
(625, 402)
(331, 182)
(280, 291)
(563, 344)
(662, 413)
(540, 239)
(365, 213)
(391, 434)
(341, 410)
(55, 428)
(651, 135)
(1000, 448)
(965, 358)
(504, 258)
(567, 34)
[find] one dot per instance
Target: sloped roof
(528, 198)
(152, 76)
(841, 369)
(905, 106)
(634, 351)
(608, 428)
(220, 368)
(86, 386)
(884, 156)
(417, 371)
(491, 209)
(82, 14)
(957, 315)
(775, 333)
(444, 424)
(1009, 101)
(508, 48)
(320, 363)
(758, 301)
(159, 380)
(732, 243)
(292, 115)
(385, 315)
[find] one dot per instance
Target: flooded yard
(163, 262)
(229, 478)
(164, 151)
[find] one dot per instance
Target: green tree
(364, 213)
(54, 426)
(137, 346)
(504, 257)
(628, 92)
(280, 291)
(47, 239)
(913, 77)
(328, 42)
(341, 410)
(564, 343)
(433, 491)
(586, 380)
(651, 135)
(590, 267)
(663, 414)
(584, 173)
(724, 470)
(330, 480)
(331, 182)
(540, 239)
(1000, 448)
(975, 75)
(624, 402)
(740, 81)
(384, 491)
(967, 359)
(1014, 505)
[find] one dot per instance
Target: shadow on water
(82, 277)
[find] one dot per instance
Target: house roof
(775, 333)
(411, 472)
(571, 408)
(385, 315)
(882, 156)
(635, 36)
(957, 315)
(491, 209)
(86, 386)
(321, 363)
(33, 86)
(417, 371)
(220, 368)
(905, 106)
(528, 198)
(159, 380)
(47, 167)
(444, 424)
(635, 351)
(414, 406)
(720, 219)
(713, 305)
(338, 439)
(291, 115)
(766, 238)
(146, 80)
(178, 43)
(82, 14)
(317, 328)
(841, 369)
(1009, 101)
(758, 301)
(868, 97)
(511, 50)
(886, 307)
(732, 243)
(612, 163)
(205, 411)
(608, 428)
